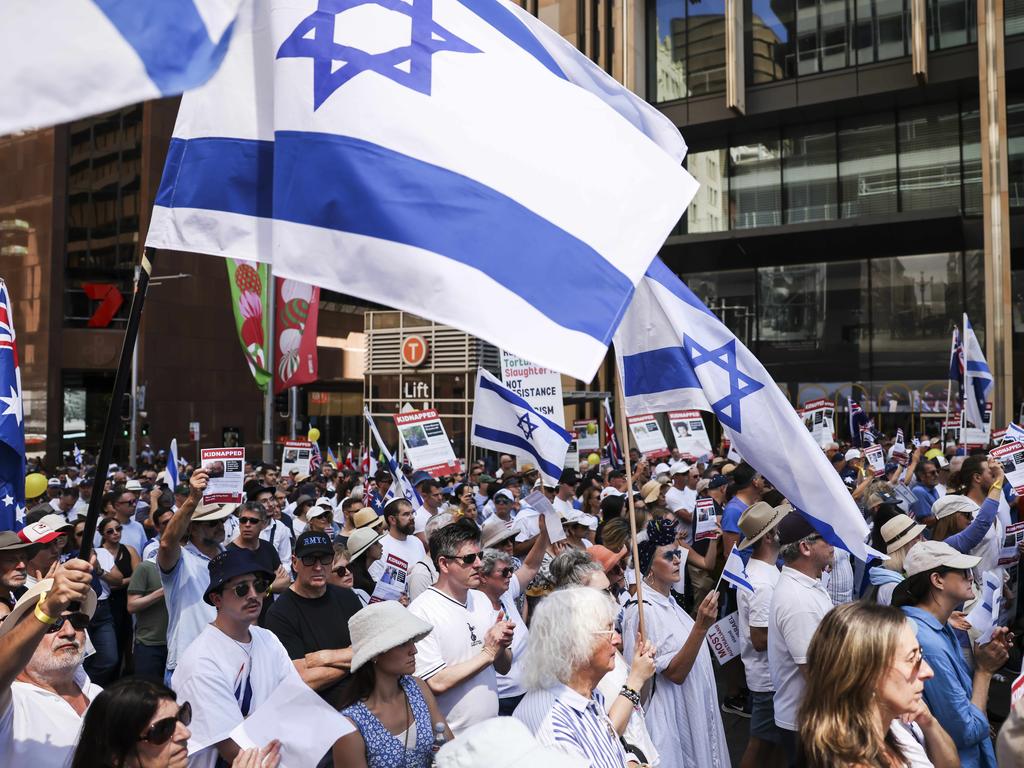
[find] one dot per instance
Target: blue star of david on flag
(727, 408)
(526, 426)
(335, 64)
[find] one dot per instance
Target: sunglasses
(673, 554)
(114, 529)
(78, 620)
(249, 521)
(161, 731)
(465, 559)
(260, 586)
(341, 570)
(506, 572)
(310, 560)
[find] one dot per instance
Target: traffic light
(125, 431)
(126, 407)
(145, 429)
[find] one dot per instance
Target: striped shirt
(560, 717)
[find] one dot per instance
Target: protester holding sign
(965, 526)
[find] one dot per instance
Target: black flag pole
(124, 366)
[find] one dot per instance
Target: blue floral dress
(383, 748)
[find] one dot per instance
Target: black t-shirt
(271, 561)
(304, 625)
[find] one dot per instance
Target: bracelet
(41, 614)
(633, 697)
(998, 484)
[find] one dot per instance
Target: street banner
(426, 443)
(706, 519)
(296, 457)
(297, 310)
(226, 468)
(972, 435)
(250, 301)
(539, 386)
(819, 418)
(587, 439)
(647, 435)
(724, 638)
(875, 457)
(1011, 456)
(689, 434)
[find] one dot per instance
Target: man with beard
(14, 556)
(401, 547)
(233, 666)
(44, 692)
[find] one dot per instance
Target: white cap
(852, 454)
(926, 555)
(661, 469)
(610, 491)
(679, 468)
(952, 503)
(578, 517)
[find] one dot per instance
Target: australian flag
(12, 423)
(611, 441)
(956, 360)
(862, 428)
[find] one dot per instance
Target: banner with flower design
(297, 310)
(250, 303)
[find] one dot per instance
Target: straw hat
(210, 513)
(361, 540)
(650, 490)
(898, 531)
(29, 600)
(758, 519)
(367, 518)
(379, 627)
(495, 531)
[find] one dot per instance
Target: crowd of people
(476, 624)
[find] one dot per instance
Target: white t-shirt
(798, 606)
(911, 741)
(422, 516)
(80, 509)
(458, 635)
(106, 561)
(676, 499)
(512, 684)
(563, 508)
(187, 612)
(398, 557)
(754, 610)
(211, 671)
(39, 728)
(277, 533)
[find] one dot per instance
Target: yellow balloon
(313, 435)
(593, 459)
(35, 485)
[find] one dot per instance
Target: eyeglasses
(673, 554)
(341, 570)
(506, 572)
(259, 586)
(114, 529)
(464, 559)
(609, 632)
(310, 560)
(249, 521)
(161, 731)
(78, 620)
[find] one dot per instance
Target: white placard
(306, 725)
(899, 449)
(587, 439)
(647, 435)
(226, 468)
(985, 613)
(540, 387)
(706, 519)
(426, 443)
(295, 457)
(688, 432)
(572, 456)
(539, 502)
(724, 638)
(386, 590)
(875, 456)
(1009, 555)
(1011, 456)
(972, 434)
(819, 418)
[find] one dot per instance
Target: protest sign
(587, 440)
(386, 589)
(951, 430)
(724, 638)
(1011, 456)
(706, 519)
(819, 418)
(689, 434)
(426, 443)
(572, 455)
(905, 498)
(985, 613)
(899, 449)
(1017, 689)
(296, 457)
(226, 468)
(976, 434)
(1013, 432)
(540, 387)
(647, 435)
(539, 503)
(1008, 552)
(875, 457)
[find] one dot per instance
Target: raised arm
(534, 558)
(177, 527)
(679, 668)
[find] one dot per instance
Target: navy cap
(313, 543)
(717, 482)
(793, 528)
(419, 477)
(232, 562)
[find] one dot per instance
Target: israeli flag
(503, 421)
(65, 59)
(452, 158)
(735, 572)
(401, 482)
(675, 354)
(977, 377)
(172, 465)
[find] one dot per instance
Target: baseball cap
(951, 504)
(39, 533)
(568, 477)
(232, 562)
(851, 454)
(504, 493)
(926, 555)
(319, 509)
(881, 497)
(718, 481)
(661, 469)
(53, 482)
(485, 478)
(419, 477)
(57, 523)
(578, 517)
(133, 485)
(313, 543)
(793, 528)
(605, 557)
(679, 468)
(610, 491)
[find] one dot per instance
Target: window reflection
(730, 295)
(867, 166)
(809, 173)
(689, 48)
(708, 212)
(755, 192)
(1015, 147)
(929, 145)
(770, 32)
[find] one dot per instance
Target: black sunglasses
(310, 560)
(117, 528)
(341, 570)
(78, 620)
(259, 585)
(249, 521)
(465, 559)
(161, 731)
(506, 572)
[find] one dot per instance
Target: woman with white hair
(571, 647)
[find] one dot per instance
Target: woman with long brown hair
(863, 706)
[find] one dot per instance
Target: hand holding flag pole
(623, 426)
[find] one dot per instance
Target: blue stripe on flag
(322, 180)
(500, 436)
(658, 370)
(978, 365)
(736, 579)
(668, 280)
(171, 39)
(511, 397)
(503, 20)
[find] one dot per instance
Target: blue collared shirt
(948, 694)
(925, 498)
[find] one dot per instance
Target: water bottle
(439, 740)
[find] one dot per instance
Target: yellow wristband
(41, 614)
(998, 484)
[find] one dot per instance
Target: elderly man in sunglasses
(233, 666)
(311, 617)
(44, 692)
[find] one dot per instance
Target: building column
(996, 204)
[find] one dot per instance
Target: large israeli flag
(675, 354)
(977, 377)
(504, 422)
(452, 158)
(65, 59)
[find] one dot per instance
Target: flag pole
(268, 398)
(624, 446)
(124, 365)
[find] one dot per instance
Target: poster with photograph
(875, 457)
(1009, 554)
(426, 443)
(951, 431)
(819, 417)
(295, 457)
(971, 434)
(689, 434)
(1011, 456)
(226, 468)
(706, 519)
(647, 436)
(587, 438)
(899, 449)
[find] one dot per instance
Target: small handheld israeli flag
(172, 465)
(977, 377)
(735, 572)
